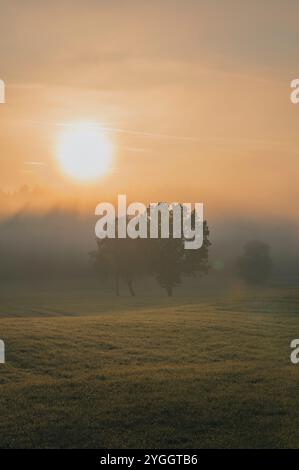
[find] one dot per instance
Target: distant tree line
(255, 264)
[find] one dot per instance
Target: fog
(56, 244)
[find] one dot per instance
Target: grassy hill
(86, 369)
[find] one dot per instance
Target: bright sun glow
(84, 152)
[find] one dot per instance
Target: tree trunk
(169, 291)
(117, 285)
(130, 286)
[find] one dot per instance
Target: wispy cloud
(34, 163)
(137, 149)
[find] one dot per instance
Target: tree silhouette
(166, 259)
(119, 259)
(170, 260)
(255, 265)
(196, 262)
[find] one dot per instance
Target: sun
(84, 152)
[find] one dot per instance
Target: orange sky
(197, 93)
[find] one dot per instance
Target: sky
(194, 97)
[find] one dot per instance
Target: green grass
(89, 370)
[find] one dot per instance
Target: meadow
(200, 370)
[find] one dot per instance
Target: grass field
(89, 370)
